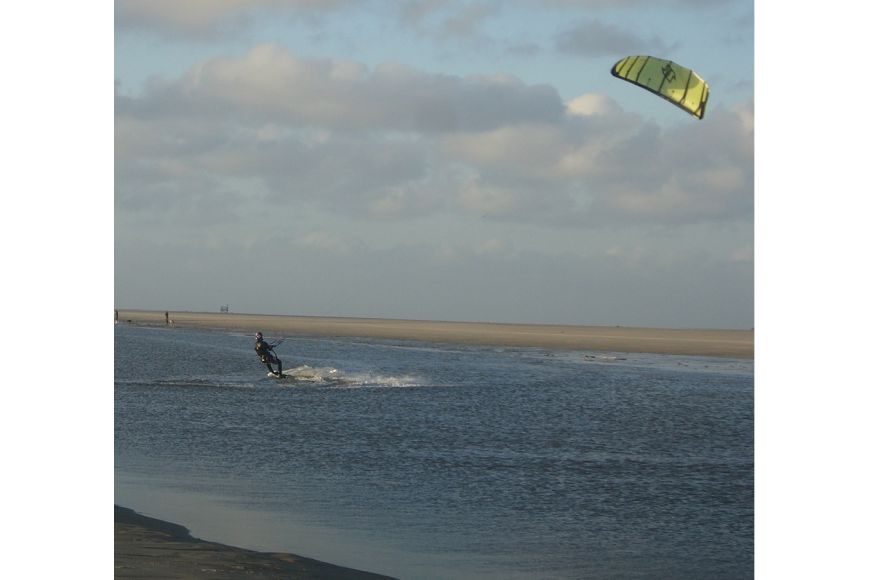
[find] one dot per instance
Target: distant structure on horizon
(225, 309)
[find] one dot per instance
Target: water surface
(424, 460)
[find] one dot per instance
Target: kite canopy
(667, 79)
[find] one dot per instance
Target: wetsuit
(264, 351)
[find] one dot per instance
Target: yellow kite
(667, 79)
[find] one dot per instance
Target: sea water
(436, 461)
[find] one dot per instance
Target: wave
(190, 382)
(301, 375)
(336, 377)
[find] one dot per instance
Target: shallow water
(422, 460)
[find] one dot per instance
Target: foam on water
(376, 380)
(339, 378)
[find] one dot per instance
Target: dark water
(424, 460)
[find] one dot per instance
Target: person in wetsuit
(266, 354)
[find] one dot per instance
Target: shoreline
(146, 547)
(690, 342)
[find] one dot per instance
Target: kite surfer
(266, 353)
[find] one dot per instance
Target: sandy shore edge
(715, 343)
(150, 548)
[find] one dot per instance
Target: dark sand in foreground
(718, 343)
(150, 548)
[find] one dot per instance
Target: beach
(150, 548)
(690, 342)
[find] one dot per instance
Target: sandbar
(150, 548)
(691, 342)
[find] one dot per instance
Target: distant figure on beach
(166, 315)
(116, 316)
(266, 353)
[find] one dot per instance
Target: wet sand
(151, 548)
(717, 343)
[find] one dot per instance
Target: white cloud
(742, 255)
(520, 149)
(324, 241)
(596, 38)
(396, 142)
(612, 169)
(602, 4)
(270, 84)
(490, 201)
(633, 254)
(441, 18)
(205, 17)
(592, 104)
(491, 246)
(467, 20)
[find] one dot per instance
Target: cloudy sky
(433, 159)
